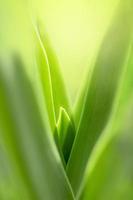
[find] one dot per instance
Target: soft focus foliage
(66, 132)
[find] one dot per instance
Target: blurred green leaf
(10, 185)
(112, 176)
(27, 138)
(38, 159)
(107, 74)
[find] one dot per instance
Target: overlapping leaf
(112, 176)
(27, 138)
(50, 75)
(66, 132)
(54, 92)
(27, 135)
(101, 92)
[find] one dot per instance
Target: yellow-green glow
(75, 28)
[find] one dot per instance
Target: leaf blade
(117, 183)
(101, 93)
(27, 138)
(66, 133)
(52, 82)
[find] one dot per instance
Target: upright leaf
(51, 79)
(66, 133)
(27, 137)
(102, 91)
(112, 177)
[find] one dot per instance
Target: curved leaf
(112, 176)
(27, 138)
(51, 79)
(101, 92)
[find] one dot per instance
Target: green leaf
(27, 138)
(81, 97)
(79, 105)
(119, 121)
(53, 86)
(112, 177)
(100, 97)
(66, 133)
(11, 186)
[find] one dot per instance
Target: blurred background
(75, 28)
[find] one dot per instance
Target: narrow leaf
(66, 133)
(52, 82)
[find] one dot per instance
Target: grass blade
(52, 82)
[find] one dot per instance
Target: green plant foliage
(66, 133)
(47, 151)
(101, 93)
(112, 176)
(52, 82)
(28, 139)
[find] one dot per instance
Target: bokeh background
(75, 28)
